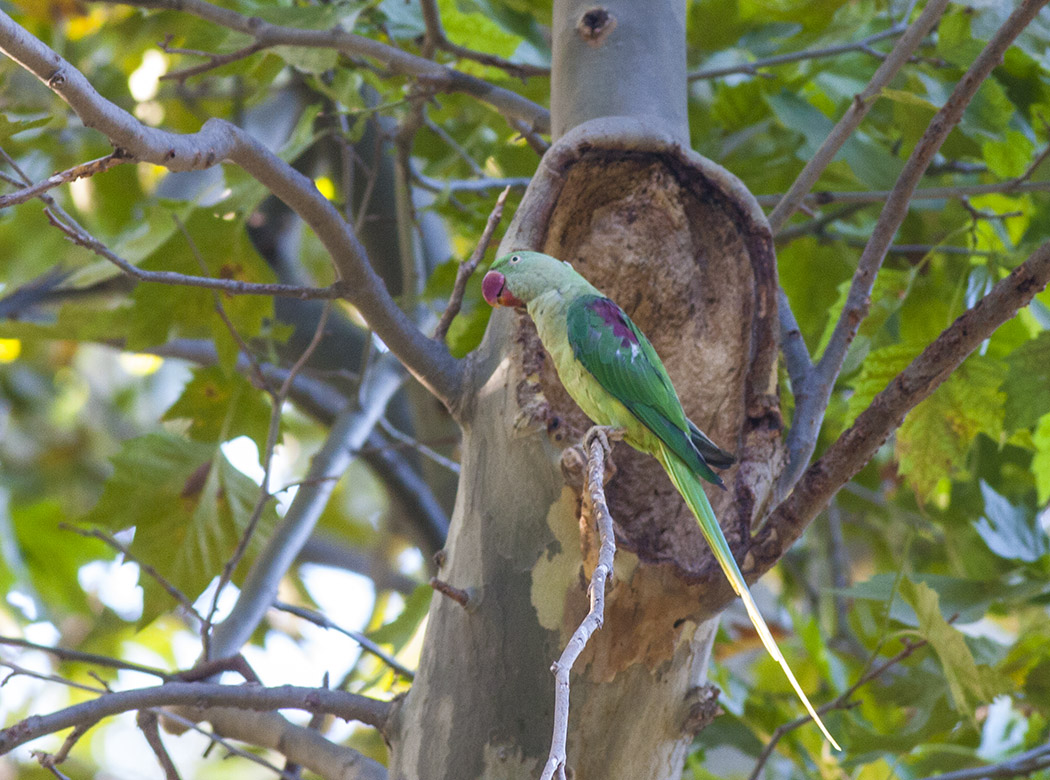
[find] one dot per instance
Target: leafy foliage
(941, 540)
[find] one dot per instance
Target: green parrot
(612, 371)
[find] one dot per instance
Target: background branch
(811, 399)
(348, 706)
(855, 447)
(218, 140)
(437, 77)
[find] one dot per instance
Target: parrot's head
(518, 277)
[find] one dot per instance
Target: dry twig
(463, 273)
(597, 445)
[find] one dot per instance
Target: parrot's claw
(603, 434)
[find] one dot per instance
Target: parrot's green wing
(612, 349)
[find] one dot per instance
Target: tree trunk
(683, 247)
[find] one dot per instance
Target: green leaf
(1041, 460)
(1028, 383)
(10, 127)
(1009, 531)
(969, 684)
(220, 406)
(937, 434)
(399, 631)
(188, 506)
(1009, 156)
(879, 369)
(907, 98)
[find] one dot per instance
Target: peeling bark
(682, 246)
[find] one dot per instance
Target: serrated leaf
(879, 369)
(9, 127)
(1008, 530)
(969, 684)
(221, 405)
(188, 506)
(936, 435)
(1028, 383)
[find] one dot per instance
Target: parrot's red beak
(494, 289)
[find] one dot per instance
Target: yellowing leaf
(969, 684)
(936, 435)
(908, 98)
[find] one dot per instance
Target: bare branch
(147, 723)
(437, 77)
(924, 193)
(318, 619)
(598, 449)
(855, 114)
(79, 656)
(812, 397)
(1021, 765)
(348, 433)
(173, 717)
(348, 706)
(842, 702)
(276, 410)
(465, 270)
(213, 60)
(217, 141)
(855, 447)
(71, 174)
(436, 39)
(301, 745)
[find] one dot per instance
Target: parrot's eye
(515, 258)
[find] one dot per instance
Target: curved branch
(348, 706)
(437, 77)
(854, 448)
(751, 68)
(812, 397)
(299, 744)
(218, 140)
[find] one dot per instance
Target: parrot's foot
(603, 434)
(574, 459)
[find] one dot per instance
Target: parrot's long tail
(689, 486)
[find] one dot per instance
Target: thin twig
(752, 68)
(435, 38)
(276, 409)
(229, 286)
(213, 60)
(147, 723)
(79, 656)
(146, 569)
(396, 60)
(824, 198)
(463, 273)
(367, 644)
(418, 446)
(81, 171)
(598, 448)
(345, 705)
(840, 703)
(1020, 765)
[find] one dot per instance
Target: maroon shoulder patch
(613, 316)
